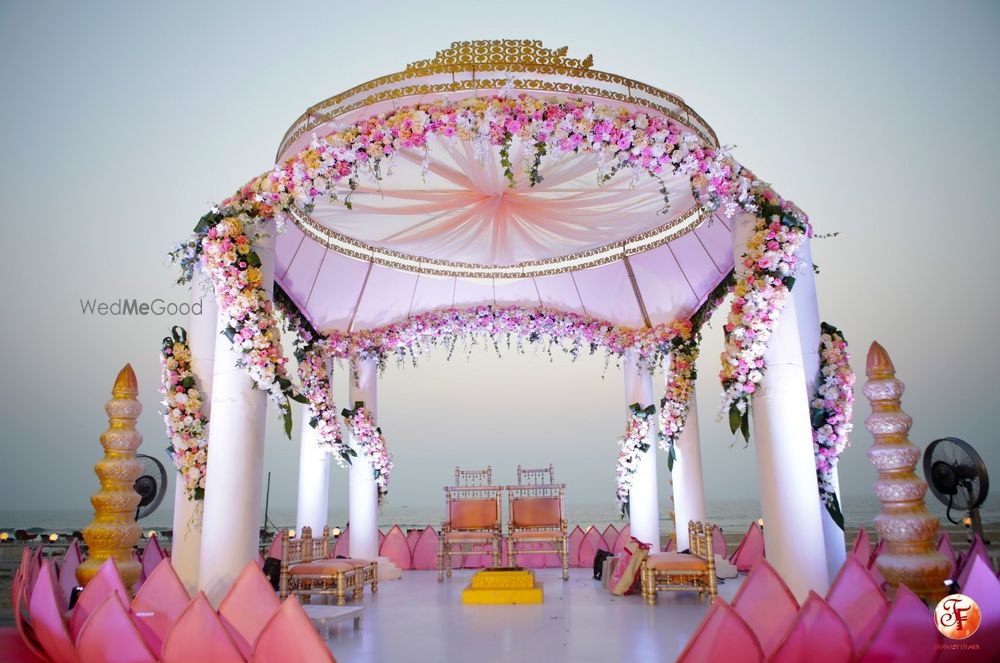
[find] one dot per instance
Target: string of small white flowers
(633, 445)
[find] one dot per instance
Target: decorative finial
(878, 364)
(907, 528)
(113, 532)
(126, 384)
(495, 54)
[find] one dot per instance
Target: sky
(122, 122)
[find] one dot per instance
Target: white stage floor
(419, 619)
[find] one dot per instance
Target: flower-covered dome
(451, 218)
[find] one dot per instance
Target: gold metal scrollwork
(509, 56)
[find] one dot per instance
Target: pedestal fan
(151, 485)
(957, 476)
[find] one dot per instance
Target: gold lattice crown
(523, 52)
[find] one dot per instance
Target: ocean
(733, 516)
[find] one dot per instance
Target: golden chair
(536, 510)
(681, 571)
(306, 569)
(473, 518)
(474, 477)
(541, 475)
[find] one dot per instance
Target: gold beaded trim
(408, 262)
(510, 56)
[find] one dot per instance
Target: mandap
(501, 191)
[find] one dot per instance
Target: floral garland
(619, 139)
(765, 279)
(187, 427)
(570, 332)
(370, 443)
(234, 268)
(633, 444)
(831, 410)
(314, 375)
(675, 404)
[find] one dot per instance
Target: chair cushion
(536, 511)
(323, 567)
(536, 535)
(474, 514)
(484, 535)
(675, 561)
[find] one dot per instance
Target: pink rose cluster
(764, 278)
(246, 310)
(187, 427)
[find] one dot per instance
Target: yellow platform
(503, 587)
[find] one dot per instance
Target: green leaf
(288, 422)
(199, 493)
(206, 222)
(835, 512)
(671, 457)
(253, 259)
(188, 382)
(299, 398)
(745, 426)
(734, 419)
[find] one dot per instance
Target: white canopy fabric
(443, 228)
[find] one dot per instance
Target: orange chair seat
(522, 535)
(675, 562)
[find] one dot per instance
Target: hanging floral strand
(831, 410)
(314, 377)
(187, 427)
(764, 281)
(681, 374)
(234, 268)
(370, 443)
(633, 444)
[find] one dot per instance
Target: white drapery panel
(450, 204)
(341, 292)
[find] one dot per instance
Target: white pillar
(689, 487)
(786, 467)
(363, 491)
(807, 313)
(314, 479)
(231, 524)
(185, 554)
(644, 499)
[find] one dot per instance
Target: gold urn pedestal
(503, 586)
